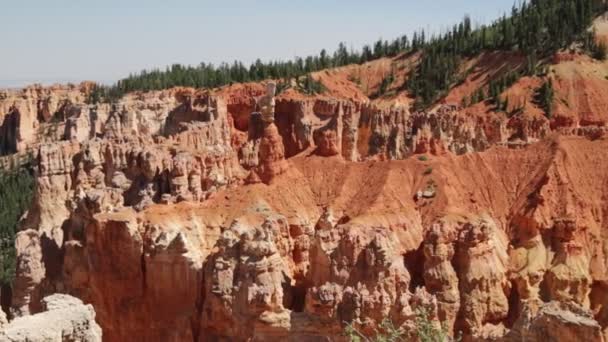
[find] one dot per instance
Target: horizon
(69, 42)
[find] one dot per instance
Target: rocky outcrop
(36, 113)
(568, 278)
(64, 318)
(440, 277)
(159, 260)
(245, 282)
(78, 180)
(258, 269)
(556, 321)
(361, 131)
(272, 161)
(529, 262)
(31, 271)
(294, 228)
(483, 284)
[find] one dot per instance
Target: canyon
(181, 215)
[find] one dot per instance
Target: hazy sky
(104, 40)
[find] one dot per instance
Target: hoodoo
(445, 188)
(272, 161)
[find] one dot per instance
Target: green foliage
(103, 94)
(536, 29)
(310, 86)
(428, 171)
(478, 96)
(386, 83)
(206, 75)
(433, 76)
(423, 158)
(497, 86)
(352, 333)
(386, 332)
(427, 331)
(16, 190)
(544, 98)
(282, 86)
(531, 65)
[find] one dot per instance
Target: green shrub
(16, 190)
(386, 83)
(536, 29)
(428, 171)
(282, 86)
(386, 332)
(310, 86)
(544, 97)
(423, 158)
(425, 329)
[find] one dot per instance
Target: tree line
(16, 192)
(537, 29)
(208, 75)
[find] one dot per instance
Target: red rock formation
(440, 277)
(272, 161)
(556, 321)
(153, 204)
(64, 319)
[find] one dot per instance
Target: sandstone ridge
(180, 216)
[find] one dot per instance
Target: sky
(48, 41)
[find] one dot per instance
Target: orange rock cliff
(180, 216)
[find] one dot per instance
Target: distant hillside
(433, 65)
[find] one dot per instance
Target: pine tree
(379, 49)
(545, 98)
(16, 190)
(323, 59)
(535, 28)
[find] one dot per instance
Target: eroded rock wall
(176, 225)
(64, 318)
